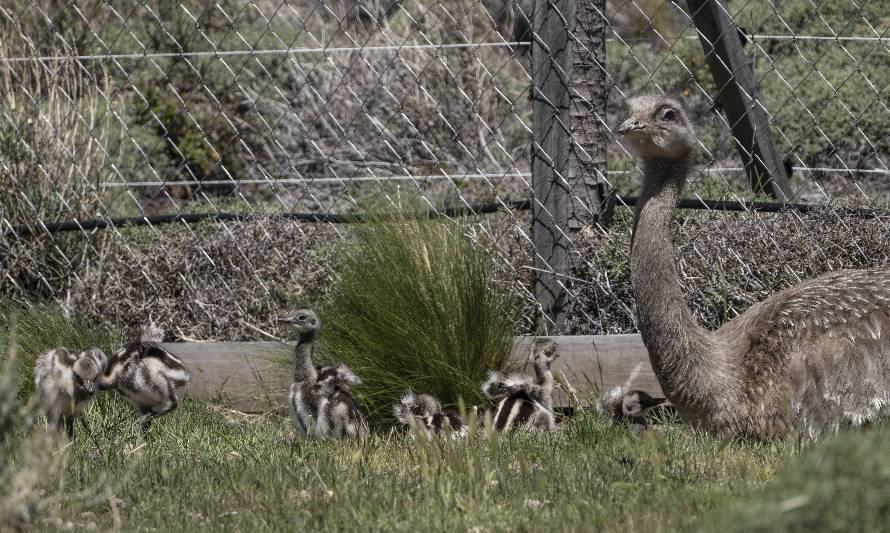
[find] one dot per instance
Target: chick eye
(301, 317)
(668, 114)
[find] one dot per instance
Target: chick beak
(89, 387)
(285, 320)
(653, 402)
(629, 125)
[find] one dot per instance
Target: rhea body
(320, 399)
(808, 360)
(337, 413)
(522, 401)
(149, 377)
(66, 383)
(628, 406)
(425, 413)
(302, 394)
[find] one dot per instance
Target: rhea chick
(337, 414)
(631, 406)
(149, 377)
(525, 402)
(66, 383)
(302, 395)
(425, 412)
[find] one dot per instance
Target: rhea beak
(652, 402)
(629, 125)
(285, 320)
(89, 387)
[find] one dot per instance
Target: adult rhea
(807, 360)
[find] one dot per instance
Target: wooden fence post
(552, 24)
(590, 133)
(735, 90)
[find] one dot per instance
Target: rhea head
(303, 320)
(89, 365)
(658, 129)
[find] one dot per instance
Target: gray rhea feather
(66, 383)
(151, 379)
(808, 360)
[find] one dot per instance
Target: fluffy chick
(631, 406)
(338, 414)
(425, 412)
(66, 383)
(149, 377)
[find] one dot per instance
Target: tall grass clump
(39, 329)
(415, 304)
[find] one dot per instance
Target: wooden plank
(247, 376)
(553, 23)
(590, 134)
(734, 78)
(254, 376)
(593, 364)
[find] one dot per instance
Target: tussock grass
(415, 304)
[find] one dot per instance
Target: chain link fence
(190, 162)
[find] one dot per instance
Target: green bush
(840, 485)
(415, 304)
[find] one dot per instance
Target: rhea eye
(301, 317)
(668, 114)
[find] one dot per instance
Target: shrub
(840, 485)
(415, 304)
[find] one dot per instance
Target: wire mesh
(120, 109)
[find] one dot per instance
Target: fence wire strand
(215, 123)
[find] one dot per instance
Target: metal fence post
(553, 23)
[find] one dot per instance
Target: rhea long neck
(304, 370)
(683, 354)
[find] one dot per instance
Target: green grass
(842, 485)
(415, 304)
(207, 468)
(197, 470)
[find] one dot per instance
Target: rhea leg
(68, 420)
(150, 413)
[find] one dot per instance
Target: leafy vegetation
(415, 304)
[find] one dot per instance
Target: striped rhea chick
(525, 402)
(631, 406)
(338, 415)
(66, 383)
(425, 412)
(303, 395)
(148, 376)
